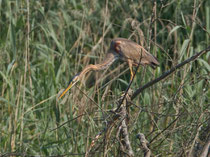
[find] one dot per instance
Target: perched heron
(120, 48)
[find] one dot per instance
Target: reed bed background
(45, 43)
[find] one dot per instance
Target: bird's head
(115, 45)
(72, 82)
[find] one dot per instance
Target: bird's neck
(109, 59)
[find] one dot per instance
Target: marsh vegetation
(43, 44)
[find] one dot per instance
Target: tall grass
(44, 43)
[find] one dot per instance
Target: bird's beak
(66, 90)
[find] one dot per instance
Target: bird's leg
(131, 70)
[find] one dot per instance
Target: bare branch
(205, 149)
(144, 142)
(124, 129)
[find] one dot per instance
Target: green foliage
(42, 46)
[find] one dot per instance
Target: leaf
(6, 79)
(123, 81)
(183, 19)
(146, 99)
(204, 63)
(13, 39)
(183, 49)
(174, 29)
(10, 66)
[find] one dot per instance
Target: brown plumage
(120, 48)
(133, 53)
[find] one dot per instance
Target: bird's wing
(131, 50)
(134, 52)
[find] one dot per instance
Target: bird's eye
(117, 46)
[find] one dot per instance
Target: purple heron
(120, 48)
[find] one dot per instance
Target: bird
(123, 49)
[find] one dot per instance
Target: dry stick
(109, 126)
(165, 74)
(205, 150)
(25, 74)
(144, 142)
(124, 129)
(126, 141)
(120, 113)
